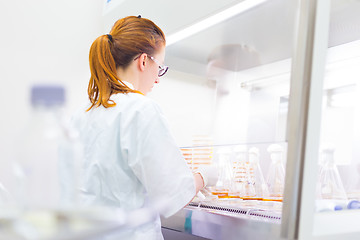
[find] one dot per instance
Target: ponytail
(103, 80)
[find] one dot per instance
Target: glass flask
(240, 170)
(224, 183)
(276, 176)
(329, 184)
(256, 183)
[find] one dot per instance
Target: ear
(142, 61)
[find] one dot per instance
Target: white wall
(42, 41)
(188, 103)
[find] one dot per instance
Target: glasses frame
(162, 68)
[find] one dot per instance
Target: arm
(158, 163)
(199, 182)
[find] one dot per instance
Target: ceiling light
(213, 20)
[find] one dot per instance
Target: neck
(128, 75)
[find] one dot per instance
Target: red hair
(128, 38)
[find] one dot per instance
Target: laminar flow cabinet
(270, 95)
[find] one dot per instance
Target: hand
(209, 173)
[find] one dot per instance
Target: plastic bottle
(42, 156)
(326, 205)
(5, 196)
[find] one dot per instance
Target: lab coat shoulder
(157, 161)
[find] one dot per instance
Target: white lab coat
(131, 160)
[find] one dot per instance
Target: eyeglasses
(162, 68)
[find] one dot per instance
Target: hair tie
(109, 37)
(139, 16)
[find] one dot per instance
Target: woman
(131, 159)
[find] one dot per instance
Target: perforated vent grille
(252, 213)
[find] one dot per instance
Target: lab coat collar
(129, 85)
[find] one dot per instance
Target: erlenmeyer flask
(240, 170)
(257, 186)
(250, 192)
(234, 189)
(276, 176)
(223, 184)
(330, 185)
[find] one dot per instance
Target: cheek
(153, 73)
(150, 80)
(156, 72)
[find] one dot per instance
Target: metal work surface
(217, 222)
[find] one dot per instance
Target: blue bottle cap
(338, 207)
(47, 95)
(354, 204)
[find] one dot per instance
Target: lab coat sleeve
(158, 163)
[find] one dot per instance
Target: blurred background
(42, 42)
